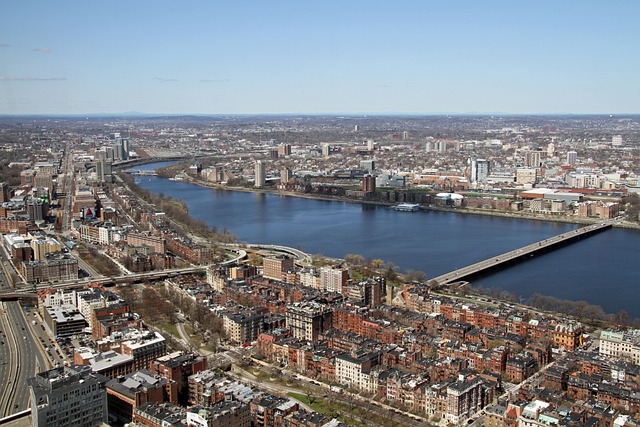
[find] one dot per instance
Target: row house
(436, 402)
(107, 320)
(266, 341)
(221, 414)
(144, 348)
(157, 244)
(346, 341)
(125, 393)
(209, 387)
(582, 386)
(354, 369)
(15, 224)
(192, 252)
(407, 390)
(243, 327)
(520, 367)
(177, 367)
(270, 410)
(308, 320)
(56, 267)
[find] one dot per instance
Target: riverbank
(467, 211)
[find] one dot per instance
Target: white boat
(407, 207)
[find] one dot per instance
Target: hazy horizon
(319, 58)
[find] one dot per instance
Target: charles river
(600, 270)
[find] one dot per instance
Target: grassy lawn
(171, 328)
(100, 263)
(331, 408)
(197, 338)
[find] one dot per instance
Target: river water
(600, 269)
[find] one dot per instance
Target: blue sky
(329, 56)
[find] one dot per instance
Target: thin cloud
(42, 49)
(215, 80)
(4, 45)
(31, 79)
(162, 79)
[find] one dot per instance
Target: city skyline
(285, 57)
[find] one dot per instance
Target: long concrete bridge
(518, 255)
(30, 289)
(144, 172)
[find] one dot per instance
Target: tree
(311, 397)
(415, 276)
(255, 259)
(377, 263)
(356, 260)
(621, 318)
(390, 274)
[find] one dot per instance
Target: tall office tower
(259, 172)
(111, 153)
(118, 149)
(4, 192)
(36, 208)
(369, 184)
(442, 146)
(356, 128)
(100, 155)
(326, 150)
(273, 153)
(480, 170)
(405, 135)
(428, 147)
(616, 140)
(285, 175)
(533, 159)
(68, 396)
(104, 171)
(125, 148)
(284, 150)
(371, 145)
(572, 157)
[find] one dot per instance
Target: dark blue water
(599, 269)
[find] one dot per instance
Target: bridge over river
(522, 254)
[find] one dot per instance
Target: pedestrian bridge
(507, 259)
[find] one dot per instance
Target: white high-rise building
(572, 157)
(333, 279)
(480, 170)
(551, 149)
(259, 174)
(616, 140)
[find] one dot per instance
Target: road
(25, 359)
(22, 354)
(301, 257)
(67, 188)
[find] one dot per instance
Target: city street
(23, 355)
